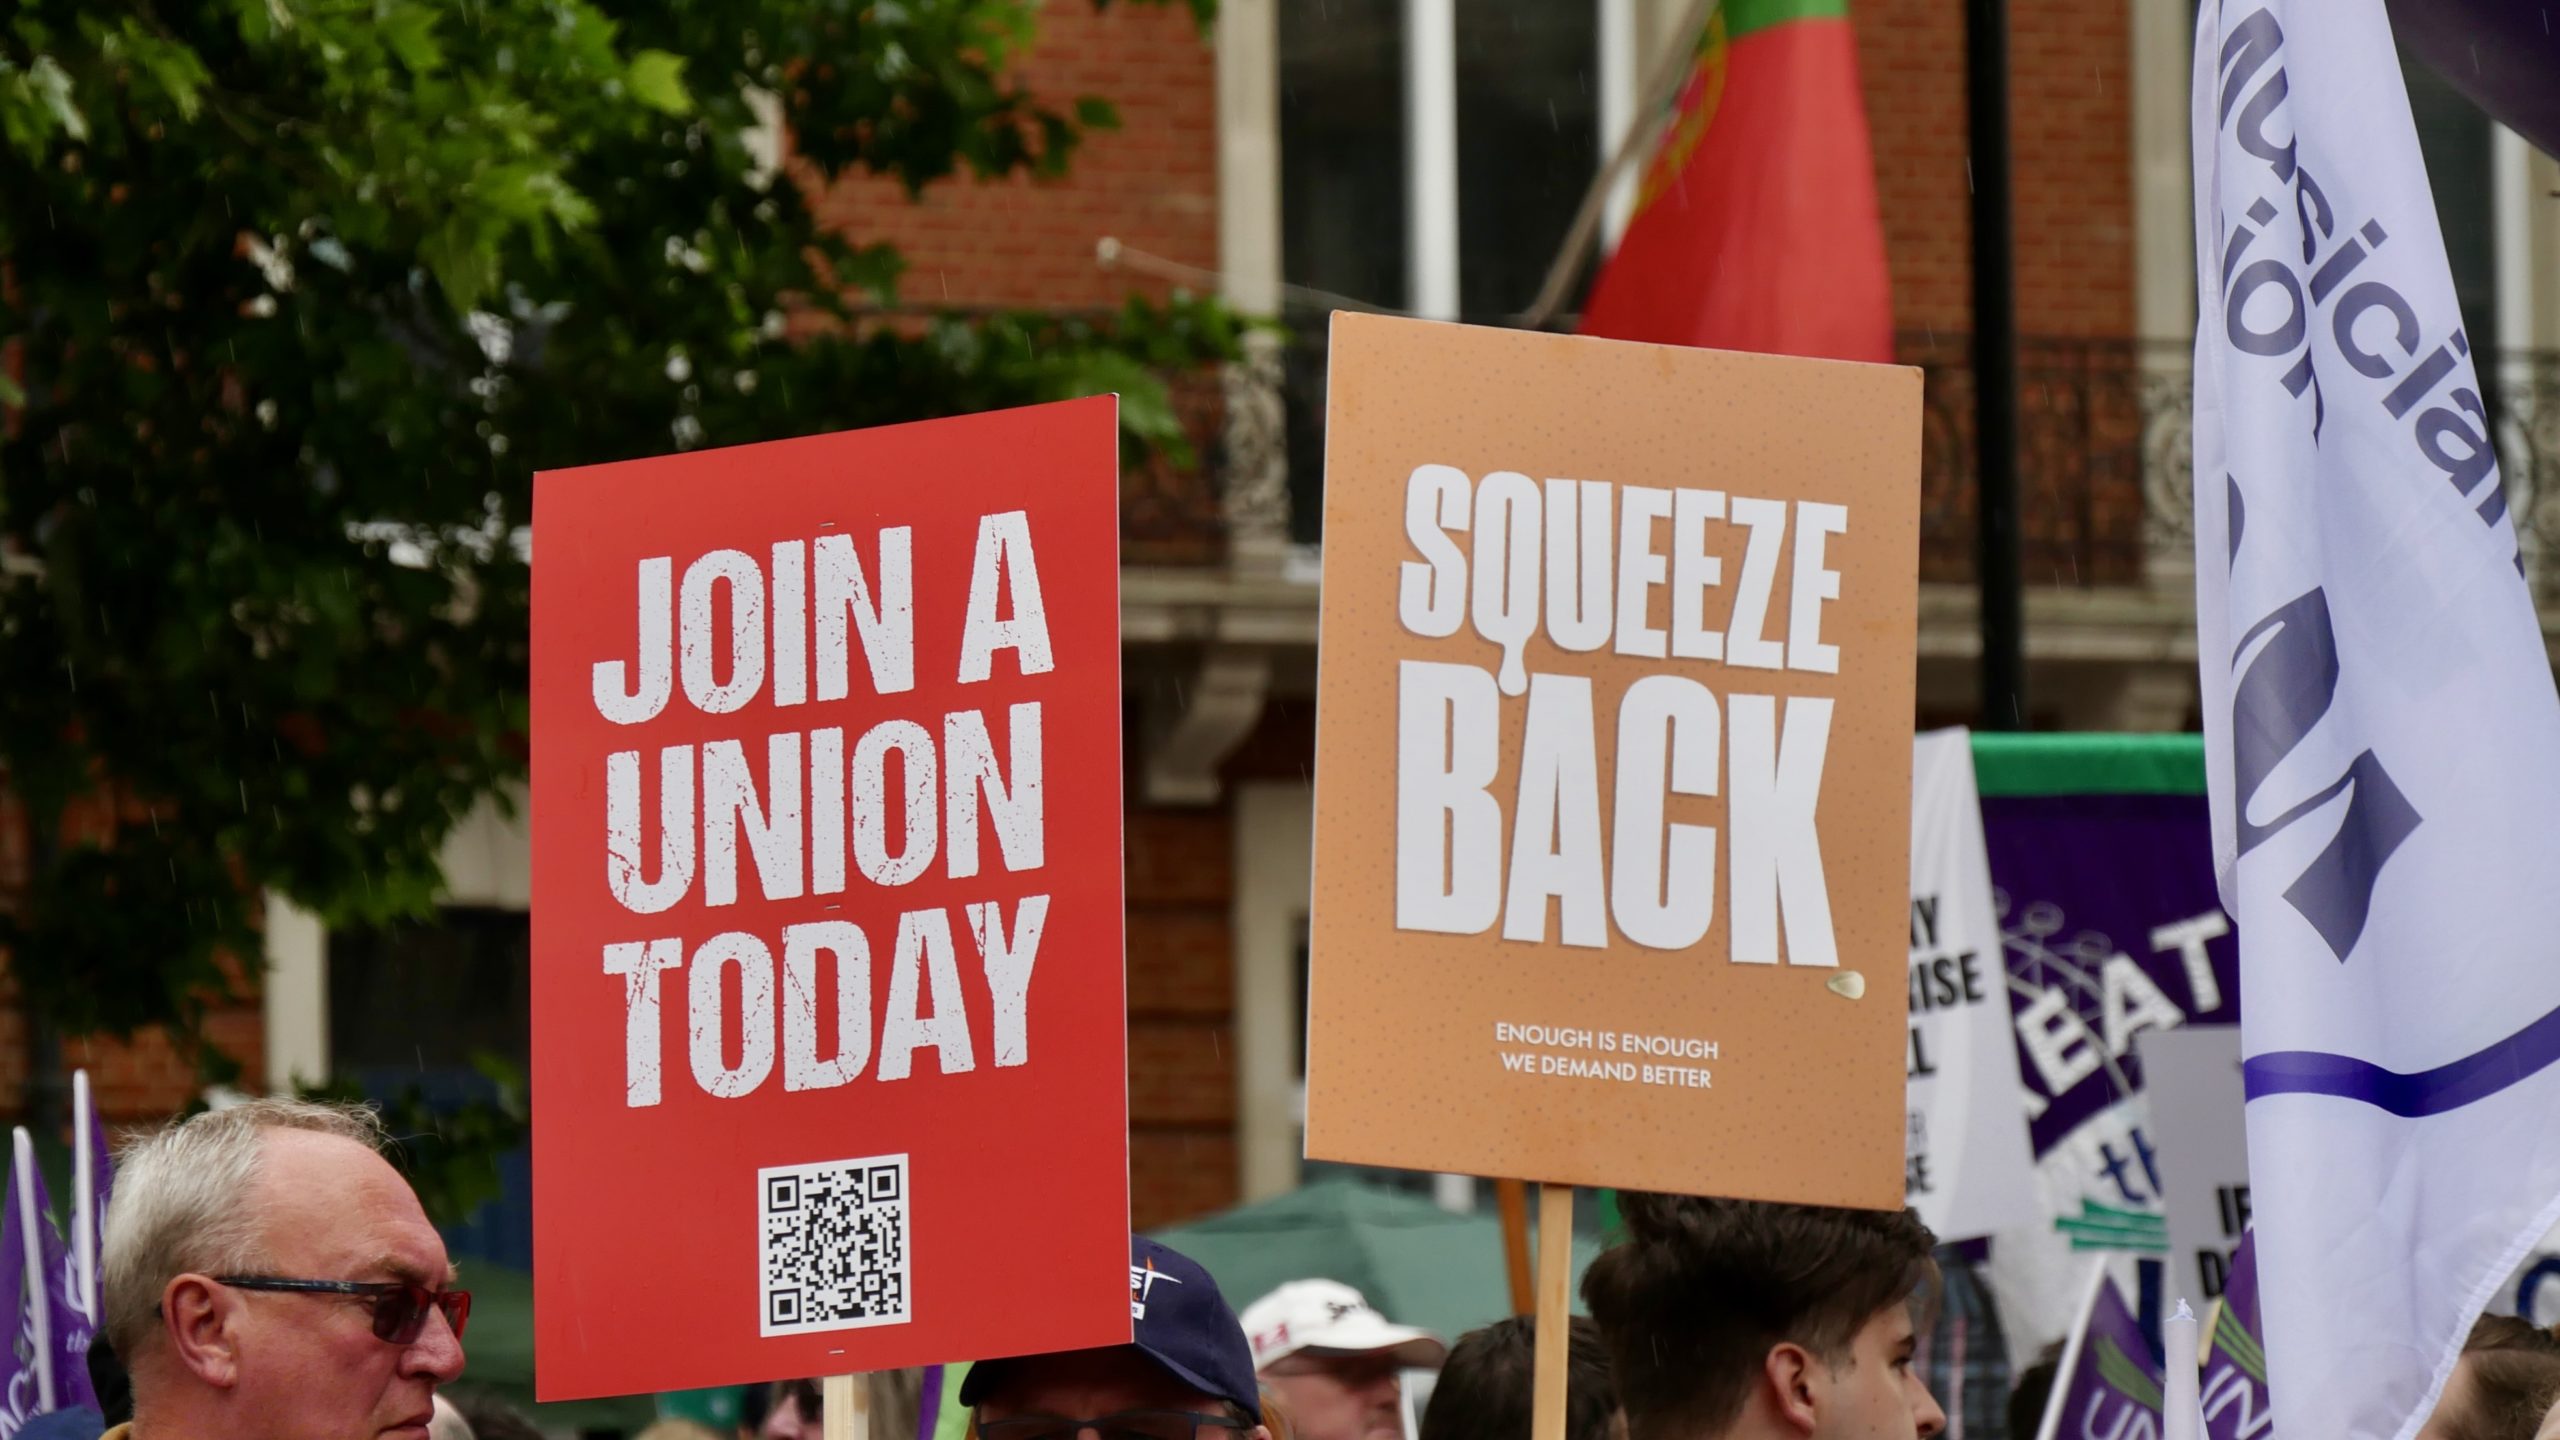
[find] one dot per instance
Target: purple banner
(2111, 1390)
(2234, 1384)
(70, 1330)
(20, 1394)
(2112, 926)
(18, 1399)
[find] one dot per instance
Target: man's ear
(200, 1319)
(1788, 1370)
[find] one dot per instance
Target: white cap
(1329, 1317)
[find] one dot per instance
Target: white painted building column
(1274, 867)
(295, 996)
(1248, 57)
(1431, 157)
(1618, 86)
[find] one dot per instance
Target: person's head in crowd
(1334, 1360)
(269, 1276)
(793, 1410)
(2507, 1380)
(1487, 1388)
(2550, 1427)
(1187, 1374)
(796, 1409)
(448, 1423)
(2033, 1392)
(1743, 1320)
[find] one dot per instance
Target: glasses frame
(423, 1301)
(1060, 1425)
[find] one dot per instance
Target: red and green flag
(1755, 225)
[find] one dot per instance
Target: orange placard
(1613, 763)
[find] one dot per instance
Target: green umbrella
(1419, 1264)
(498, 1358)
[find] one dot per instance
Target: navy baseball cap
(1179, 1320)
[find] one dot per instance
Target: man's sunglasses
(1126, 1425)
(400, 1309)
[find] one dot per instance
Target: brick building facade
(1219, 647)
(1153, 183)
(1155, 186)
(2070, 103)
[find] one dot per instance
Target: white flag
(2382, 738)
(1967, 1168)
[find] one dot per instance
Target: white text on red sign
(826, 819)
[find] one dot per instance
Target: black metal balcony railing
(2105, 449)
(2102, 457)
(1169, 512)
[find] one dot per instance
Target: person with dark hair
(794, 1410)
(2507, 1379)
(2035, 1391)
(1744, 1320)
(1487, 1387)
(2510, 1332)
(1186, 1374)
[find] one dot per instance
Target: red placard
(829, 1040)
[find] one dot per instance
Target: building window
(413, 1006)
(1342, 175)
(1528, 143)
(1531, 90)
(2454, 137)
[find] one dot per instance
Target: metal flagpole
(1995, 369)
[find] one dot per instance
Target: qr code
(832, 1245)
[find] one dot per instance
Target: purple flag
(18, 1399)
(44, 1324)
(2234, 1389)
(66, 1330)
(2109, 1387)
(2112, 927)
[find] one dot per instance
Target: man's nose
(437, 1352)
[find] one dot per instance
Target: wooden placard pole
(1513, 1198)
(845, 1403)
(1555, 1302)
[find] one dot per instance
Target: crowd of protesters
(269, 1276)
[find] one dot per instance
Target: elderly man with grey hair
(269, 1276)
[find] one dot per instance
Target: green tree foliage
(296, 294)
(450, 1153)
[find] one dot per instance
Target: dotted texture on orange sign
(1803, 1097)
